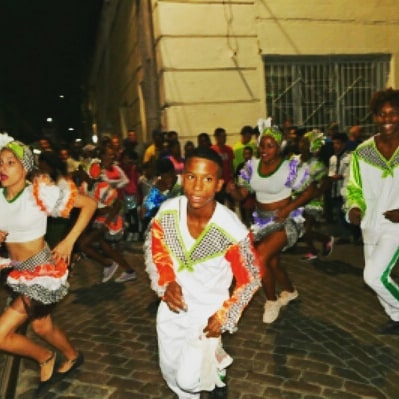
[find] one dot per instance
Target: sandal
(46, 383)
(72, 364)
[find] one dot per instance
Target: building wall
(208, 56)
(117, 73)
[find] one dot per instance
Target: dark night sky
(45, 50)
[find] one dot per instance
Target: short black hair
(206, 153)
(381, 97)
(246, 130)
(249, 148)
(342, 137)
(57, 166)
(219, 131)
(130, 153)
(163, 165)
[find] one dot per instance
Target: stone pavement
(322, 346)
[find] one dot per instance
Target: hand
(3, 236)
(62, 251)
(392, 215)
(355, 216)
(174, 298)
(214, 328)
(280, 215)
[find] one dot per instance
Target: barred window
(316, 90)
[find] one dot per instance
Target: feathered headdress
(266, 128)
(316, 140)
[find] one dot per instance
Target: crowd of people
(214, 220)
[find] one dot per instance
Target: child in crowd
(194, 249)
(131, 194)
(166, 185)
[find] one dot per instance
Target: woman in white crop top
(37, 275)
(278, 221)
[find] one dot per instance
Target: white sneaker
(272, 310)
(126, 277)
(109, 271)
(286, 297)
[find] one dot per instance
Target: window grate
(316, 90)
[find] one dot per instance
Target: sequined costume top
(373, 187)
(204, 267)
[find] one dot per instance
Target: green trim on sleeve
(354, 189)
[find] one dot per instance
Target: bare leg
(85, 244)
(48, 331)
(308, 236)
(17, 344)
(115, 255)
(269, 252)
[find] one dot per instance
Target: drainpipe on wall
(149, 82)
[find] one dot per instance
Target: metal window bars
(316, 90)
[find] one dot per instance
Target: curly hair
(381, 97)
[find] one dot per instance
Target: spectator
(355, 137)
(154, 150)
(131, 194)
(175, 156)
(227, 155)
(246, 135)
(189, 147)
(203, 139)
(338, 172)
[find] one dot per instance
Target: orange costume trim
(242, 276)
(44, 180)
(46, 270)
(161, 257)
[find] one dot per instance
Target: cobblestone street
(322, 346)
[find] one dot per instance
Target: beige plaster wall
(210, 71)
(209, 68)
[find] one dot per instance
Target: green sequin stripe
(385, 279)
(369, 154)
(211, 244)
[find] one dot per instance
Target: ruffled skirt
(39, 278)
(264, 224)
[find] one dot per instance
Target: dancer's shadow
(91, 295)
(335, 267)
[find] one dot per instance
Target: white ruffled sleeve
(56, 200)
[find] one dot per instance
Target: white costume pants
(187, 359)
(380, 258)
